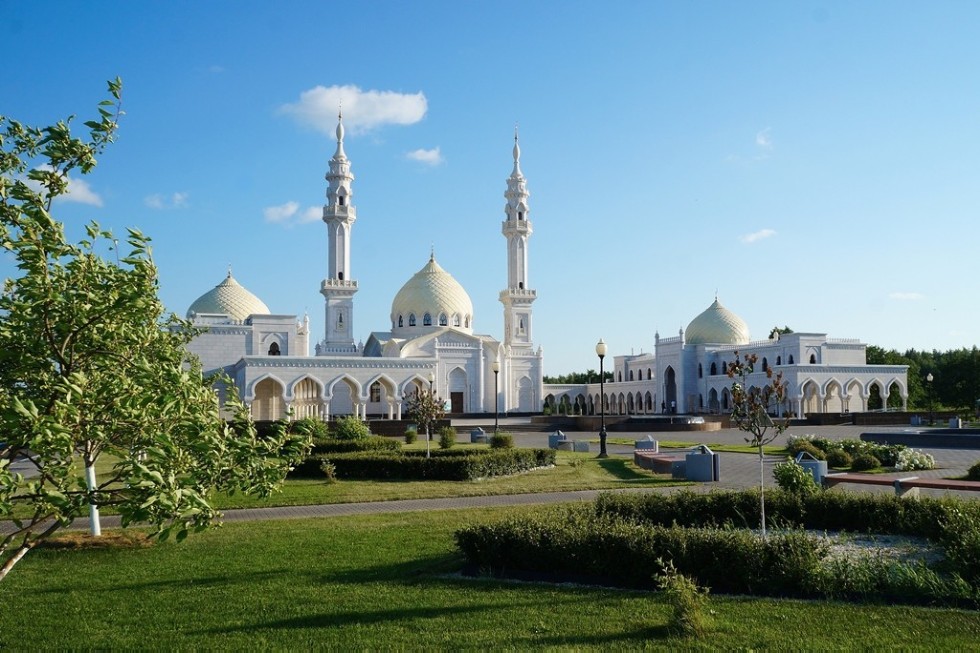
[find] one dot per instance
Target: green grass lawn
(573, 471)
(717, 447)
(389, 582)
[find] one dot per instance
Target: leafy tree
(91, 366)
(588, 376)
(751, 408)
(424, 407)
(778, 331)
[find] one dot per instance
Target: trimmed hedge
(832, 511)
(576, 546)
(443, 465)
(369, 443)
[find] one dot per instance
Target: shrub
(369, 443)
(411, 435)
(447, 437)
(312, 426)
(793, 478)
(808, 447)
(501, 441)
(865, 461)
(443, 465)
(687, 602)
(973, 473)
(838, 459)
(350, 428)
(329, 470)
(910, 459)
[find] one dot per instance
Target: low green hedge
(574, 545)
(443, 465)
(832, 511)
(369, 443)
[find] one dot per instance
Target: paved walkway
(738, 471)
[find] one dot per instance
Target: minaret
(518, 296)
(338, 288)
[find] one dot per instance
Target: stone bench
(904, 487)
(659, 463)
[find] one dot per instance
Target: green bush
(501, 441)
(443, 465)
(687, 602)
(801, 445)
(793, 478)
(973, 473)
(839, 459)
(411, 435)
(447, 437)
(329, 470)
(865, 461)
(312, 426)
(350, 428)
(369, 443)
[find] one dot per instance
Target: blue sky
(814, 163)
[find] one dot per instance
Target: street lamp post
(428, 422)
(600, 350)
(932, 417)
(496, 396)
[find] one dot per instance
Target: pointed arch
(269, 402)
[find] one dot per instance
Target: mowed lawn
(390, 582)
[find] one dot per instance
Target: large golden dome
(432, 292)
(228, 298)
(717, 326)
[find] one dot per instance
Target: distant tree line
(588, 376)
(955, 376)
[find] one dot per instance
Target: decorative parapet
(338, 283)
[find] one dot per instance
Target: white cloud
(906, 296)
(363, 110)
(431, 157)
(311, 214)
(763, 139)
(756, 236)
(159, 202)
(78, 190)
(280, 213)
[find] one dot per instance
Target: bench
(904, 487)
(659, 463)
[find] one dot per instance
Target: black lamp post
(600, 350)
(428, 423)
(932, 417)
(496, 396)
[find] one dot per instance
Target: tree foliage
(92, 366)
(588, 376)
(425, 407)
(956, 375)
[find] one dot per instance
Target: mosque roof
(434, 291)
(717, 325)
(228, 298)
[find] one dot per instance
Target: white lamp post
(496, 396)
(428, 421)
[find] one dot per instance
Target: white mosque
(687, 374)
(431, 343)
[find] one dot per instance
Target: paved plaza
(738, 471)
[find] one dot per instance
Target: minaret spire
(339, 287)
(517, 229)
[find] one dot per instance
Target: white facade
(687, 373)
(431, 342)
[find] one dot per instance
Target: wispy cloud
(216, 69)
(906, 296)
(763, 139)
(431, 157)
(163, 202)
(363, 110)
(280, 213)
(289, 214)
(757, 235)
(78, 190)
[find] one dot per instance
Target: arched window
(456, 320)
(649, 374)
(400, 321)
(375, 392)
(340, 199)
(791, 359)
(620, 376)
(714, 369)
(779, 360)
(631, 375)
(467, 321)
(427, 320)
(274, 349)
(813, 359)
(340, 275)
(700, 371)
(443, 320)
(520, 215)
(765, 364)
(411, 319)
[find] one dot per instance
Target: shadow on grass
(622, 469)
(408, 571)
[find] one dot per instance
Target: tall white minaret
(518, 296)
(338, 288)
